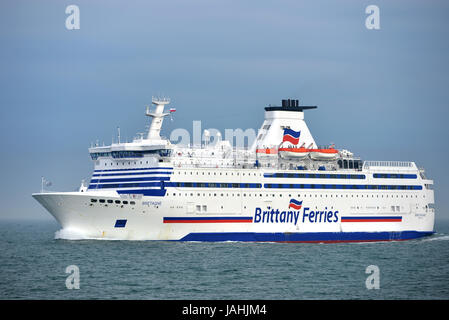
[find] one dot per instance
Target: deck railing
(396, 164)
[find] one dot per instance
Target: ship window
(125, 202)
(340, 163)
(132, 202)
(110, 201)
(93, 200)
(101, 200)
(117, 201)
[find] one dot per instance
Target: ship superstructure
(282, 188)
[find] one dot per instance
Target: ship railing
(391, 164)
(422, 173)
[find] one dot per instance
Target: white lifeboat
(323, 154)
(267, 151)
(295, 152)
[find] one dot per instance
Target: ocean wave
(437, 237)
(70, 234)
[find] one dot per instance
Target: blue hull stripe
(145, 192)
(153, 168)
(130, 179)
(124, 185)
(130, 173)
(314, 175)
(341, 186)
(306, 237)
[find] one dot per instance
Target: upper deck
(283, 143)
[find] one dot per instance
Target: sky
(382, 94)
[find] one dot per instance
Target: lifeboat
(297, 153)
(268, 151)
(323, 154)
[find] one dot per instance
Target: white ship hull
(204, 214)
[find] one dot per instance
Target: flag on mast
(45, 183)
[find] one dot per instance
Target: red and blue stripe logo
(291, 136)
(208, 219)
(295, 204)
(372, 219)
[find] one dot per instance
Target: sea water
(34, 258)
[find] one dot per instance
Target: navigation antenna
(157, 117)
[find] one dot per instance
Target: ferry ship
(283, 188)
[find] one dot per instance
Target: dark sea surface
(33, 266)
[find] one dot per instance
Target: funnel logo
(291, 136)
(295, 204)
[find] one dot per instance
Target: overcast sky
(383, 94)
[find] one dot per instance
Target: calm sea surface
(33, 265)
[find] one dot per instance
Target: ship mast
(157, 117)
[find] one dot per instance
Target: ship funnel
(290, 115)
(290, 103)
